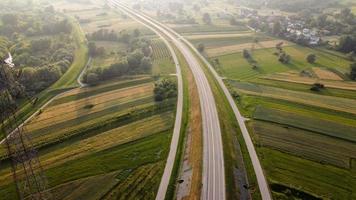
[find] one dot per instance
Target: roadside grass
(319, 180)
(305, 122)
(191, 152)
(234, 66)
(305, 144)
(171, 190)
(326, 102)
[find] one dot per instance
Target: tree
(284, 58)
(207, 18)
(201, 47)
(41, 44)
(146, 64)
(246, 54)
(137, 32)
(92, 49)
(347, 44)
(134, 59)
(277, 28)
(92, 78)
(10, 19)
(165, 89)
(353, 71)
(351, 56)
(311, 58)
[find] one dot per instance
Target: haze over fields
(178, 99)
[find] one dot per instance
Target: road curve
(213, 160)
(261, 179)
(178, 119)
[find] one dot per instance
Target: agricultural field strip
(305, 144)
(214, 36)
(69, 127)
(56, 116)
(334, 103)
(86, 187)
(219, 51)
(221, 42)
(309, 81)
(99, 102)
(79, 93)
(139, 178)
(304, 122)
(105, 140)
(326, 74)
(308, 176)
(160, 51)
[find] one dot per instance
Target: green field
(234, 66)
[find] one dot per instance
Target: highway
(180, 41)
(213, 160)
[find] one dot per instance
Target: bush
(311, 58)
(201, 47)
(165, 89)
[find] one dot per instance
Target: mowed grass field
(305, 140)
(114, 133)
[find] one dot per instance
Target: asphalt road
(213, 160)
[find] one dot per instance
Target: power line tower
(31, 184)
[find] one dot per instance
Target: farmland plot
(117, 124)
